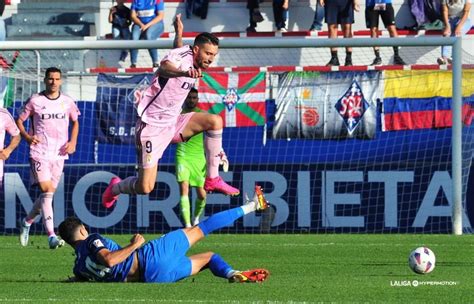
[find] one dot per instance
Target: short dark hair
(193, 90)
(68, 228)
(51, 70)
(206, 38)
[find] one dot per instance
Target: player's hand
(69, 148)
(33, 140)
(285, 4)
(137, 239)
(194, 73)
(178, 24)
(4, 154)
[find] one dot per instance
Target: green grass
(304, 268)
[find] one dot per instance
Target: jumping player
(161, 122)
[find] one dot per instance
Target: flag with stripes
(239, 98)
(422, 99)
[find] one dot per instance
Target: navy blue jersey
(88, 267)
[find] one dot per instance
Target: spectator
(340, 12)
(147, 16)
(254, 15)
(3, 33)
(280, 13)
(455, 14)
(197, 7)
(384, 9)
(318, 18)
(119, 16)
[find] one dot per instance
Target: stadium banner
(337, 197)
(115, 111)
(426, 102)
(239, 98)
(332, 105)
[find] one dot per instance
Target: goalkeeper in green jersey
(191, 167)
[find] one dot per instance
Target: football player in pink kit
(50, 112)
(161, 122)
(7, 124)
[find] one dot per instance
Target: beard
(203, 64)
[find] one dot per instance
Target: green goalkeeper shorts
(193, 172)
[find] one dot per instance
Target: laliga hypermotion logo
(352, 106)
(230, 98)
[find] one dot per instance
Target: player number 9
(148, 146)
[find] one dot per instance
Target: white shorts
(46, 170)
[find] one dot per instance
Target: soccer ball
(422, 260)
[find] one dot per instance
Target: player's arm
(111, 258)
(178, 29)
(169, 70)
(30, 139)
(14, 141)
(26, 112)
(70, 146)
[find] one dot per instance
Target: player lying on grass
(161, 260)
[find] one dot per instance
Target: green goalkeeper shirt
(193, 149)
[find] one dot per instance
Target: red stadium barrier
(290, 68)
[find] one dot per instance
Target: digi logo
(46, 116)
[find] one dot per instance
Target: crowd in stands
(146, 18)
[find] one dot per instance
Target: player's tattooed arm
(178, 29)
(168, 70)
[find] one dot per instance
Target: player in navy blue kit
(162, 260)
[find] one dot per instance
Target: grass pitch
(304, 268)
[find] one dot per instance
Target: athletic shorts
(193, 172)
(372, 16)
(42, 170)
(164, 260)
(339, 11)
(152, 141)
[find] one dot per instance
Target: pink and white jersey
(160, 104)
(50, 124)
(6, 124)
